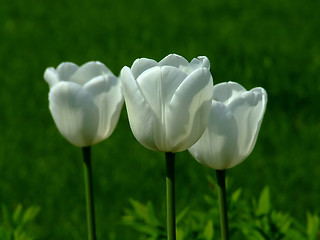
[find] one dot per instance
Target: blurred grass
(273, 44)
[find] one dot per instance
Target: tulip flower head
(85, 102)
(234, 123)
(168, 102)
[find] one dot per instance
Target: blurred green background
(268, 43)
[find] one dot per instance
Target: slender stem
(221, 176)
(89, 193)
(171, 212)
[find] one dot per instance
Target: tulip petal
(51, 76)
(106, 94)
(89, 71)
(142, 64)
(217, 147)
(174, 60)
(158, 85)
(248, 110)
(66, 70)
(74, 113)
(227, 91)
(201, 61)
(188, 111)
(141, 117)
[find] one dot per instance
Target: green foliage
(16, 225)
(143, 219)
(313, 226)
(255, 221)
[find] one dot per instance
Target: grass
(272, 44)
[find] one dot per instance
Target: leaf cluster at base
(255, 220)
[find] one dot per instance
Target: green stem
(89, 193)
(171, 215)
(221, 176)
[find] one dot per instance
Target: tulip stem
(89, 193)
(170, 185)
(221, 177)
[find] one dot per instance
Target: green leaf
(235, 196)
(17, 215)
(151, 218)
(313, 227)
(208, 231)
(180, 234)
(283, 221)
(30, 214)
(139, 209)
(142, 218)
(182, 214)
(146, 229)
(264, 206)
(294, 234)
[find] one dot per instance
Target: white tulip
(168, 102)
(85, 102)
(234, 123)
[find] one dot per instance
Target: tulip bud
(234, 123)
(85, 102)
(168, 102)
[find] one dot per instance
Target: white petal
(227, 91)
(106, 93)
(66, 70)
(203, 61)
(140, 114)
(142, 64)
(74, 113)
(217, 147)
(89, 71)
(199, 62)
(51, 76)
(174, 60)
(188, 112)
(248, 110)
(158, 85)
